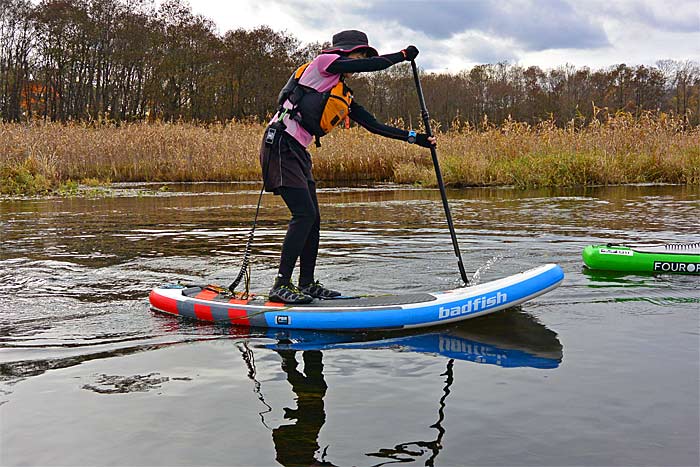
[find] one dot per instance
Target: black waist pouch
(273, 133)
(270, 157)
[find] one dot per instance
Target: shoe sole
(277, 299)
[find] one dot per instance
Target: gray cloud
(534, 25)
(451, 33)
(677, 16)
(485, 53)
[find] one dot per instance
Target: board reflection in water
(509, 339)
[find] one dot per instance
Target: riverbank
(40, 157)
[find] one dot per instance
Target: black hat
(349, 41)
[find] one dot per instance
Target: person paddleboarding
(313, 102)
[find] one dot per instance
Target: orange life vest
(319, 112)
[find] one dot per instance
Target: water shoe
(317, 290)
(288, 293)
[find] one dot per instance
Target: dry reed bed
(654, 148)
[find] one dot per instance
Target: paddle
(441, 185)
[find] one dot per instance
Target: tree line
(125, 60)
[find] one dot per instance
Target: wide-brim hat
(350, 41)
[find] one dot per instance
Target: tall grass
(36, 157)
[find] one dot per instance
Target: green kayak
(679, 258)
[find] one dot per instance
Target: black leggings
(303, 234)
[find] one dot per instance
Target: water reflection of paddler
(408, 452)
(508, 339)
(297, 443)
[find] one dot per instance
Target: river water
(603, 370)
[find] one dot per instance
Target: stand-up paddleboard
(364, 313)
(416, 310)
(680, 258)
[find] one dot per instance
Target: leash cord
(245, 265)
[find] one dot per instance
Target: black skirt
(285, 163)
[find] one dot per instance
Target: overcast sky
(454, 35)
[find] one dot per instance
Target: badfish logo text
(473, 305)
(476, 352)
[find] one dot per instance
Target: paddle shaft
(438, 174)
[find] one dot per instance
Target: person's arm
(382, 62)
(359, 65)
(365, 119)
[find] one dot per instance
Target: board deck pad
(668, 249)
(378, 300)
